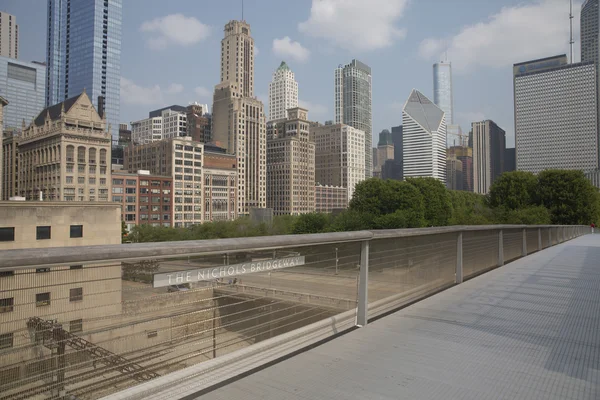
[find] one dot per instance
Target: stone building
(220, 184)
(9, 165)
(330, 198)
(291, 165)
(65, 154)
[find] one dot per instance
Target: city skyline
(150, 38)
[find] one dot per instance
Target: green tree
(469, 209)
(532, 215)
(351, 220)
(400, 219)
(311, 223)
(438, 207)
(513, 190)
(380, 197)
(569, 196)
(124, 232)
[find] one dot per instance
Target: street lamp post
(336, 260)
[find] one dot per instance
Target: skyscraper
(23, 85)
(353, 104)
(556, 115)
(9, 36)
(385, 152)
(489, 144)
(283, 92)
(442, 89)
(589, 31)
(84, 52)
(238, 117)
(423, 138)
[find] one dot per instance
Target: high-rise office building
(353, 104)
(199, 123)
(290, 165)
(442, 89)
(339, 156)
(9, 35)
(283, 92)
(510, 160)
(64, 154)
(166, 123)
(3, 102)
(590, 20)
(385, 152)
(423, 138)
(454, 174)
(465, 156)
(84, 53)
(489, 144)
(238, 117)
(396, 169)
(23, 85)
(556, 115)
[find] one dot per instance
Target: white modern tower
(283, 92)
(353, 104)
(9, 35)
(424, 138)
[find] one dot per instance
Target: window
(76, 326)
(7, 234)
(42, 299)
(131, 182)
(42, 233)
(6, 305)
(76, 267)
(76, 294)
(6, 341)
(76, 231)
(40, 270)
(152, 334)
(117, 190)
(6, 273)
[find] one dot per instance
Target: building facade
(146, 131)
(556, 115)
(489, 145)
(3, 102)
(353, 103)
(239, 122)
(84, 53)
(166, 123)
(330, 198)
(423, 138)
(291, 165)
(199, 123)
(65, 154)
(510, 160)
(23, 84)
(395, 170)
(182, 160)
(465, 156)
(385, 152)
(589, 21)
(454, 174)
(145, 199)
(9, 36)
(442, 89)
(9, 166)
(220, 184)
(339, 156)
(283, 92)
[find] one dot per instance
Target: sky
(171, 54)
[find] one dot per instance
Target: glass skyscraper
(84, 53)
(23, 84)
(589, 31)
(353, 105)
(442, 89)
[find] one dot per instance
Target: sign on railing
(225, 271)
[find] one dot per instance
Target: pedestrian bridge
(499, 312)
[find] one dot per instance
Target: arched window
(92, 152)
(70, 153)
(81, 154)
(103, 156)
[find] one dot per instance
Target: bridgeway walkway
(528, 330)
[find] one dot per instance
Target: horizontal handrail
(29, 258)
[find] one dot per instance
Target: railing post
(540, 245)
(363, 286)
(524, 251)
(549, 237)
(458, 276)
(500, 248)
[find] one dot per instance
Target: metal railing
(187, 315)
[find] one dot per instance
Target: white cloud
(286, 47)
(356, 25)
(202, 92)
(519, 33)
(132, 93)
(175, 88)
(176, 29)
(314, 109)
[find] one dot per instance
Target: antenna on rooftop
(571, 41)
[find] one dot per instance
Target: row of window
(7, 339)
(41, 300)
(7, 234)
